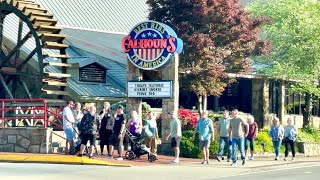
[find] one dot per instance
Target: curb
(57, 160)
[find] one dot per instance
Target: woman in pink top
(252, 134)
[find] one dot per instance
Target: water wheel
(41, 71)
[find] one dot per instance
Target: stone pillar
(282, 96)
(133, 74)
(170, 104)
(260, 102)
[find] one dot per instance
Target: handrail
(41, 108)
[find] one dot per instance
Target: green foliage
(263, 142)
(215, 117)
(189, 148)
(146, 108)
(295, 37)
(309, 134)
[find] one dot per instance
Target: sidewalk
(261, 162)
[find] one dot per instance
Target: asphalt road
(22, 171)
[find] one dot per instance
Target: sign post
(153, 45)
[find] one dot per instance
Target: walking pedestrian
(206, 135)
(88, 127)
(118, 133)
(175, 134)
(68, 122)
(237, 134)
(151, 124)
(105, 130)
(276, 134)
(252, 134)
(290, 135)
(223, 132)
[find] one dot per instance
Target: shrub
(308, 134)
(188, 119)
(263, 143)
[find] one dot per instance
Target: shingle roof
(106, 15)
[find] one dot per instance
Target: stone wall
(309, 149)
(26, 140)
(260, 101)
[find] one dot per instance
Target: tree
(295, 35)
(219, 37)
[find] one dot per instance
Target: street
(18, 171)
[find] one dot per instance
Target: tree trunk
(307, 110)
(200, 103)
(205, 102)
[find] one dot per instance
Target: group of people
(111, 128)
(234, 132)
(237, 133)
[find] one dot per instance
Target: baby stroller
(138, 148)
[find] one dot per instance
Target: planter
(309, 148)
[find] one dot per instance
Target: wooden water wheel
(34, 23)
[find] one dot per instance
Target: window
(93, 73)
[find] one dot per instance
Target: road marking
(271, 170)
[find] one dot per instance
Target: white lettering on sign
(150, 89)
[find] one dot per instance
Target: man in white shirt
(68, 121)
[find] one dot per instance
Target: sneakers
(285, 159)
(228, 160)
(119, 158)
(251, 158)
(276, 158)
(243, 162)
(219, 158)
(234, 164)
(176, 160)
(208, 161)
(109, 156)
(293, 159)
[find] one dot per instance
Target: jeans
(224, 141)
(251, 142)
(292, 145)
(237, 143)
(276, 146)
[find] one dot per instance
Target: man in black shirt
(118, 133)
(106, 126)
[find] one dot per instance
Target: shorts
(205, 144)
(175, 142)
(115, 141)
(69, 133)
(88, 137)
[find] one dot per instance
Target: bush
(309, 134)
(263, 143)
(188, 119)
(189, 148)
